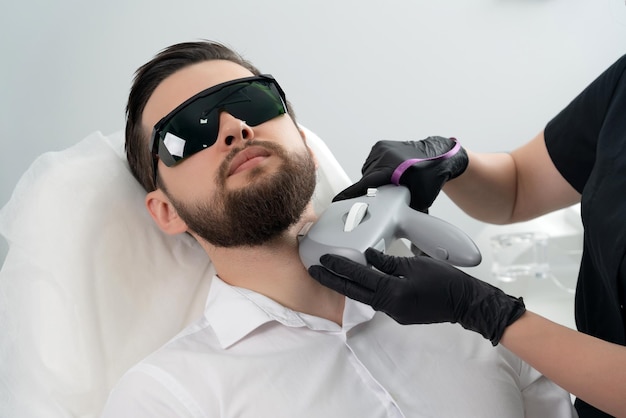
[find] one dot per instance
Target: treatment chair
(90, 285)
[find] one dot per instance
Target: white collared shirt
(249, 356)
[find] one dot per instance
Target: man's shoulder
(174, 359)
(197, 336)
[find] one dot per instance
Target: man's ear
(164, 213)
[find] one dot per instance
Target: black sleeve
(572, 136)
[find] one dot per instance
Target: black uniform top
(587, 143)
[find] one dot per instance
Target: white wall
(490, 72)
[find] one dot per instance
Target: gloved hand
(423, 178)
(421, 290)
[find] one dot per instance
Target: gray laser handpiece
(348, 227)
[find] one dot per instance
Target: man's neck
(275, 270)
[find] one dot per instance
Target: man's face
(248, 187)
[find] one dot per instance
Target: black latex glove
(421, 290)
(424, 179)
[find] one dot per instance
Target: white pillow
(90, 286)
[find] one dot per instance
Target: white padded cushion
(90, 285)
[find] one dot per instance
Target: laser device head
(348, 227)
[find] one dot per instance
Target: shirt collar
(234, 312)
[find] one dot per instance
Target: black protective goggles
(194, 125)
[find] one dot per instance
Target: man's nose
(233, 130)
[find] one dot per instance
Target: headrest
(90, 285)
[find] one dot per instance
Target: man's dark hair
(147, 78)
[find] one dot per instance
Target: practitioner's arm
(503, 188)
(590, 368)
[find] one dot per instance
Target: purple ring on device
(399, 171)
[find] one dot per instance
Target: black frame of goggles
(194, 124)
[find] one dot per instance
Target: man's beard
(256, 213)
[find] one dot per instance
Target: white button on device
(355, 216)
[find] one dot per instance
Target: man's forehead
(185, 83)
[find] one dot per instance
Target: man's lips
(240, 162)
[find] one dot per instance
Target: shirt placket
(393, 410)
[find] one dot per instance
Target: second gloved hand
(421, 290)
(424, 179)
